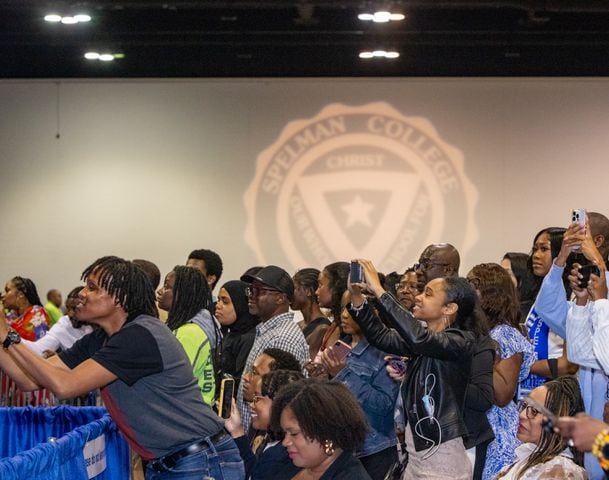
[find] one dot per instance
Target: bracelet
(359, 307)
(598, 449)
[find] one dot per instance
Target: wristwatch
(11, 337)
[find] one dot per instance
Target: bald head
(599, 228)
(437, 260)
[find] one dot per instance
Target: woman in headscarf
(238, 327)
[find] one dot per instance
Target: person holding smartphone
(362, 369)
(441, 351)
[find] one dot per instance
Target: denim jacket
(365, 375)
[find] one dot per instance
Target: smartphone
(341, 350)
(585, 271)
(579, 216)
(398, 365)
(227, 389)
(356, 273)
(550, 418)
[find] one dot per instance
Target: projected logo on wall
(358, 182)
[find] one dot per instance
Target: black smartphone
(585, 271)
(227, 389)
(356, 274)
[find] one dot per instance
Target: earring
(328, 448)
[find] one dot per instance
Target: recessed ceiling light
(92, 56)
(52, 18)
(382, 16)
(68, 19)
(379, 54)
(106, 57)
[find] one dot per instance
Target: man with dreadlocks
(145, 376)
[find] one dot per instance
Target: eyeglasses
(256, 399)
(426, 264)
(530, 412)
(406, 286)
(254, 292)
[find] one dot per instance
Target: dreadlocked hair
(27, 287)
(563, 399)
(191, 294)
(127, 283)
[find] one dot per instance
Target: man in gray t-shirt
(145, 377)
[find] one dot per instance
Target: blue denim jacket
(365, 375)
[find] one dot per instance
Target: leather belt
(167, 462)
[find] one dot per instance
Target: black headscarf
(245, 320)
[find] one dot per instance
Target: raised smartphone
(356, 273)
(585, 271)
(579, 216)
(227, 389)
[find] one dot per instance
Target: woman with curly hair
(544, 454)
(323, 424)
(499, 302)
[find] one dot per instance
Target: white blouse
(561, 467)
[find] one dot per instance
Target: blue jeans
(221, 461)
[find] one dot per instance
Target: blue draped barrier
(86, 445)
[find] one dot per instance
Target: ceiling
(295, 38)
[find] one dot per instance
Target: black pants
(480, 459)
(378, 463)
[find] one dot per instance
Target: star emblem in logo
(358, 211)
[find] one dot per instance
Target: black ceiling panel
(285, 38)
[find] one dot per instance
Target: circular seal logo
(358, 182)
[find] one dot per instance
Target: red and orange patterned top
(33, 324)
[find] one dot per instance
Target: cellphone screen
(226, 397)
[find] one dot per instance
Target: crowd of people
(501, 373)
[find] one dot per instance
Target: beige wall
(153, 169)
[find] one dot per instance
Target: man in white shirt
(64, 333)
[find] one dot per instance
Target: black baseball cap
(275, 277)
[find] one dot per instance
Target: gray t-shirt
(155, 401)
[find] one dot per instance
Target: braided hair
(309, 279)
(27, 287)
(127, 283)
(563, 399)
(191, 294)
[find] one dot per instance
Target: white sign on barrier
(94, 452)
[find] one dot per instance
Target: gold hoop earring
(329, 448)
